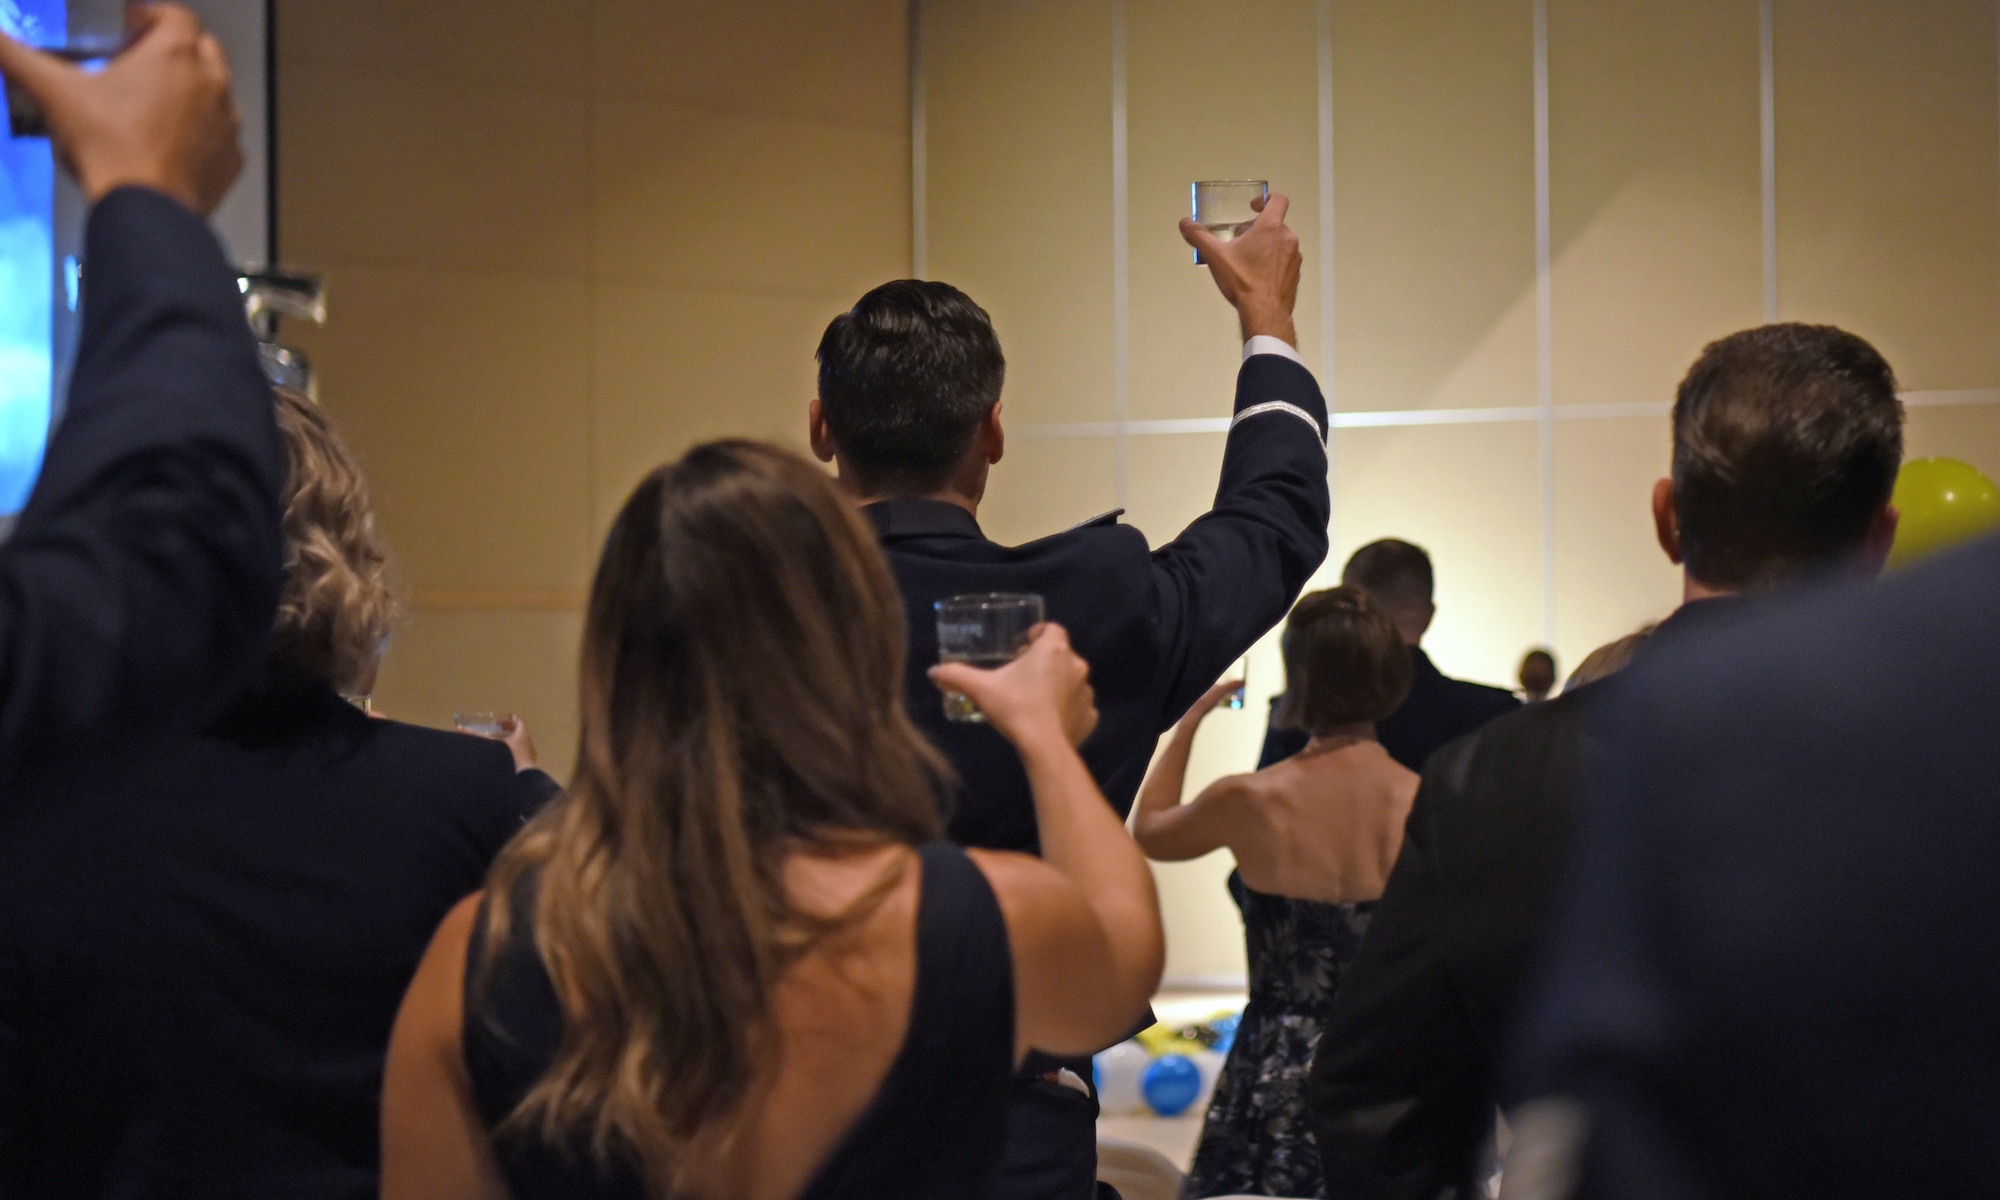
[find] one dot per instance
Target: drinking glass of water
(1242, 677)
(90, 31)
(484, 724)
(1226, 207)
(986, 631)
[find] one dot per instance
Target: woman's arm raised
(1084, 921)
(1166, 829)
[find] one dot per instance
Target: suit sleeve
(13, 1072)
(1234, 573)
(143, 575)
(1398, 1108)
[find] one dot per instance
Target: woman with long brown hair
(735, 961)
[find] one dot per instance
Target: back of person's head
(742, 695)
(1397, 577)
(905, 378)
(1345, 662)
(1609, 659)
(1538, 671)
(337, 607)
(1787, 440)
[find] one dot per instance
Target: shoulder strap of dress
(964, 999)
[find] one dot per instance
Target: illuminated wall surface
(27, 271)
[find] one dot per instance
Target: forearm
(1083, 839)
(1167, 780)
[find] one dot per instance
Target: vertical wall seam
(1768, 137)
(1121, 262)
(920, 216)
(1545, 320)
(1328, 295)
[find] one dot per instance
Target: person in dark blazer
(909, 409)
(140, 580)
(203, 942)
(1786, 443)
(1778, 970)
(1397, 575)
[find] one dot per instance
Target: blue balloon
(1172, 1084)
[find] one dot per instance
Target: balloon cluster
(1944, 503)
(1166, 1070)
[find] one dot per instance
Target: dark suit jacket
(204, 943)
(1158, 627)
(142, 578)
(1779, 972)
(1439, 710)
(1405, 1080)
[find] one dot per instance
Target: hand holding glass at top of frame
(1238, 232)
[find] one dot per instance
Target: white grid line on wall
(920, 183)
(1121, 255)
(1767, 47)
(1328, 327)
(1545, 352)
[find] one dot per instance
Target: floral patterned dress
(1257, 1140)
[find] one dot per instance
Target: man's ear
(1666, 526)
(822, 441)
(995, 436)
(1880, 541)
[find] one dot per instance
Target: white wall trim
(1121, 261)
(1545, 356)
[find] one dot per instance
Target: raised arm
(1234, 572)
(1166, 829)
(144, 573)
(1084, 920)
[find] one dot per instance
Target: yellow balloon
(1944, 502)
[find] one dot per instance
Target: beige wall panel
(1018, 104)
(393, 168)
(1655, 205)
(1969, 432)
(465, 395)
(1046, 485)
(842, 62)
(675, 367)
(1214, 91)
(1471, 495)
(1435, 202)
(441, 663)
(519, 44)
(1889, 180)
(1204, 930)
(1611, 576)
(689, 196)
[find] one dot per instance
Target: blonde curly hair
(338, 607)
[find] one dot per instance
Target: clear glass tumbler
(1226, 207)
(90, 31)
(484, 724)
(986, 631)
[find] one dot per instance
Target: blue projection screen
(27, 287)
(41, 231)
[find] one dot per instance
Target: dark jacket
(203, 944)
(1405, 1080)
(141, 579)
(1778, 973)
(1158, 627)
(1439, 710)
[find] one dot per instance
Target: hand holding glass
(1227, 207)
(90, 31)
(484, 724)
(985, 631)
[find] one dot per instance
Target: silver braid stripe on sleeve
(1280, 406)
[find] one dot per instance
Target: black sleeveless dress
(934, 1130)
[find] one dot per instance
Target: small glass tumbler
(1241, 674)
(1226, 207)
(986, 631)
(90, 32)
(484, 724)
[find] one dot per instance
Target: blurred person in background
(1397, 576)
(909, 410)
(1537, 676)
(738, 959)
(1786, 443)
(203, 941)
(1610, 658)
(1314, 838)
(139, 582)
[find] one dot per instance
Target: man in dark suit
(909, 410)
(142, 577)
(1397, 576)
(1778, 972)
(1786, 444)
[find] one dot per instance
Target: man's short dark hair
(905, 378)
(1344, 662)
(1787, 440)
(1396, 573)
